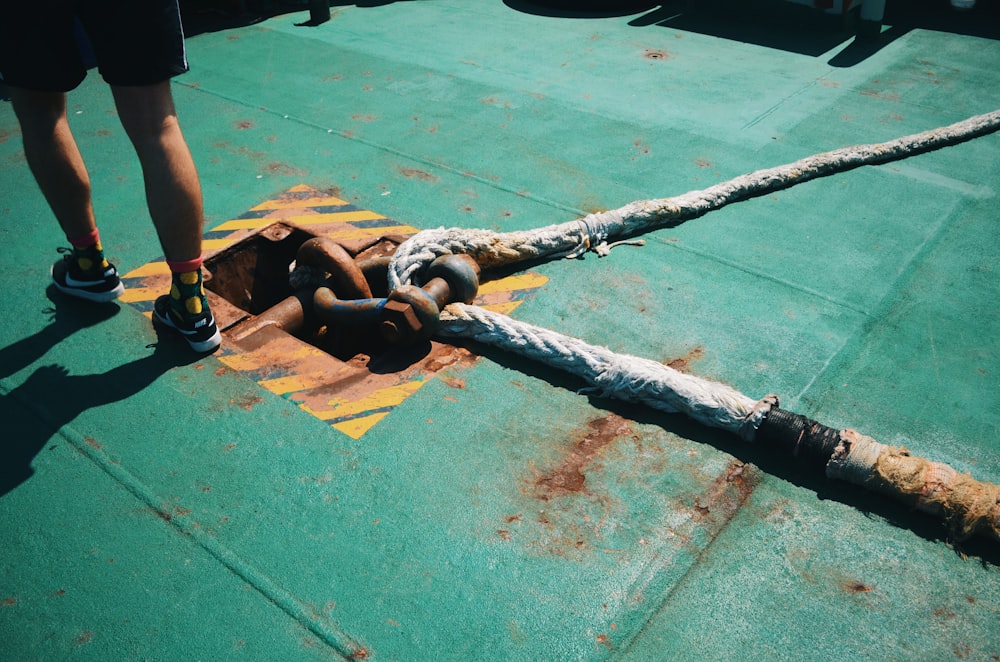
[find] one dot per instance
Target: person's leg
(173, 195)
(54, 158)
(173, 190)
(58, 167)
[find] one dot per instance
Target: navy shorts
(134, 42)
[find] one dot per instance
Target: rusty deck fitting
(348, 378)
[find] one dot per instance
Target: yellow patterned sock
(187, 293)
(90, 257)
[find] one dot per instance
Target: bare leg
(173, 194)
(55, 159)
(173, 191)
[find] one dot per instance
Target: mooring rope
(592, 232)
(620, 376)
(967, 505)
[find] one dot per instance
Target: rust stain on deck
(725, 495)
(568, 476)
(415, 173)
(683, 363)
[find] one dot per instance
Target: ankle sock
(88, 252)
(187, 292)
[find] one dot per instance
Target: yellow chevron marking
(243, 224)
(147, 270)
(365, 411)
(346, 232)
(249, 361)
(296, 383)
(505, 308)
(217, 244)
(335, 217)
(303, 219)
(314, 201)
(525, 281)
(356, 427)
(385, 397)
(135, 294)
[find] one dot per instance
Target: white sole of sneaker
(99, 297)
(208, 345)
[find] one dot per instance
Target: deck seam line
(872, 319)
(770, 111)
(340, 642)
(695, 563)
(348, 135)
(745, 269)
(884, 304)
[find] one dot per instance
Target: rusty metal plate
(340, 376)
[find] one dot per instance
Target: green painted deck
(161, 506)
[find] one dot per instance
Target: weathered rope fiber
(609, 374)
(967, 505)
(574, 238)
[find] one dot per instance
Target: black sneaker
(200, 331)
(94, 285)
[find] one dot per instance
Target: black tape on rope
(803, 438)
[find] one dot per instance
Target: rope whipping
(967, 505)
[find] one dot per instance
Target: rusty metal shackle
(351, 312)
(408, 315)
(413, 313)
(346, 277)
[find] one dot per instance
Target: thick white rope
(592, 232)
(967, 504)
(620, 376)
(628, 377)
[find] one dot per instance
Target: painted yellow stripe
(386, 397)
(346, 232)
(303, 219)
(218, 244)
(335, 217)
(295, 383)
(505, 308)
(526, 281)
(314, 201)
(249, 361)
(356, 427)
(147, 270)
(135, 294)
(243, 224)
